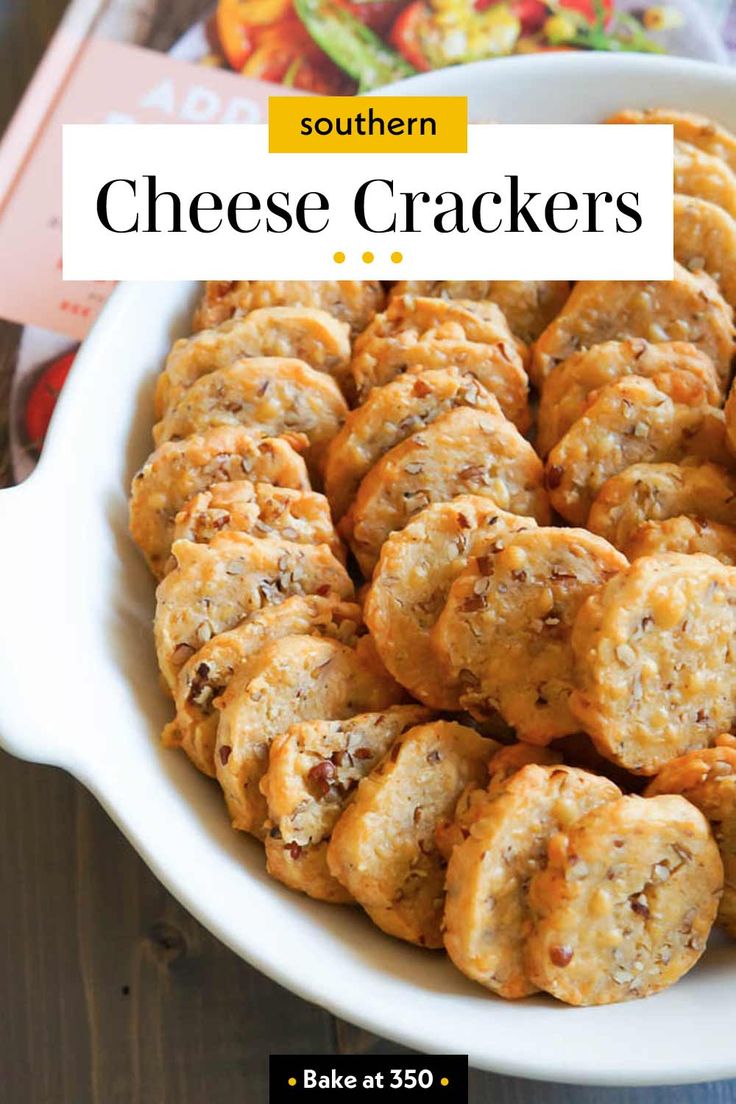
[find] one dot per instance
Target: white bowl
(79, 684)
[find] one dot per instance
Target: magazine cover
(368, 513)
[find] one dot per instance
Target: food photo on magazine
(368, 452)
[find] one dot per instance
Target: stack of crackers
(447, 598)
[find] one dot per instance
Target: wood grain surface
(111, 992)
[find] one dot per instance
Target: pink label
(111, 82)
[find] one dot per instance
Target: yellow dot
(444, 1081)
(368, 258)
(397, 258)
(292, 1080)
(338, 258)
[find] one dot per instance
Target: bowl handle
(29, 580)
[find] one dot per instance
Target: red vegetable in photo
(43, 396)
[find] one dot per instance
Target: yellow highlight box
(368, 124)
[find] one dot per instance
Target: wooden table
(111, 992)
